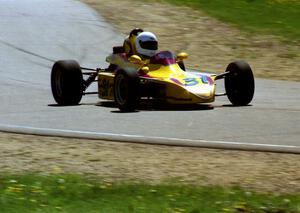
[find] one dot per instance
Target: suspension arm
(222, 75)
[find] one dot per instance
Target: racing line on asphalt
(150, 140)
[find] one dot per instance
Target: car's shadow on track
(146, 106)
(233, 106)
(57, 105)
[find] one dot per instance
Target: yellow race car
(161, 79)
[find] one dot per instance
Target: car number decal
(191, 81)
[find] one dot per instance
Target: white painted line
(150, 140)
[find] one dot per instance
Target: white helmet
(146, 44)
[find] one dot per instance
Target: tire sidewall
(239, 84)
(67, 82)
(126, 91)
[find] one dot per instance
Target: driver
(143, 44)
(129, 42)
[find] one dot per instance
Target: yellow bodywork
(181, 87)
(106, 85)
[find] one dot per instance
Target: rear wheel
(239, 83)
(127, 91)
(67, 82)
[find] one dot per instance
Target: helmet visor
(148, 45)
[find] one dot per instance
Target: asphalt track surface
(36, 33)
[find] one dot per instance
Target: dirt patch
(210, 43)
(148, 163)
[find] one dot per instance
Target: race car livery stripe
(206, 80)
(176, 81)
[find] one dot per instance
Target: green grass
(275, 17)
(74, 193)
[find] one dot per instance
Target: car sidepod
(106, 85)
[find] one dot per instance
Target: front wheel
(127, 91)
(239, 83)
(66, 82)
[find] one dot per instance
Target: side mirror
(181, 56)
(135, 59)
(145, 69)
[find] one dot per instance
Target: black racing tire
(127, 90)
(239, 83)
(67, 82)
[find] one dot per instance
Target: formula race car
(162, 79)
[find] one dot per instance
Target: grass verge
(275, 17)
(74, 193)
